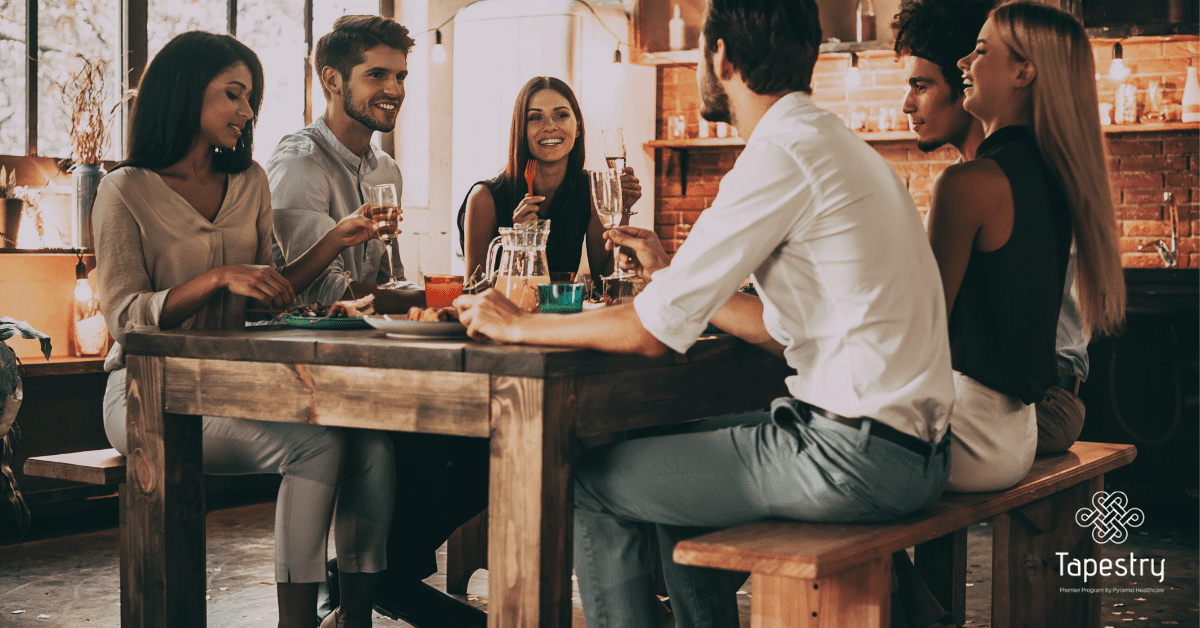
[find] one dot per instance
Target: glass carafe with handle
(516, 262)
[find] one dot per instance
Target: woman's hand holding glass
(631, 187)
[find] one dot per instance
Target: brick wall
(1143, 165)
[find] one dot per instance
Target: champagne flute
(385, 211)
(614, 148)
(606, 198)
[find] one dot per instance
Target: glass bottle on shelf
(1191, 97)
(864, 19)
(1125, 106)
(675, 31)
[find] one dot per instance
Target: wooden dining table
(535, 404)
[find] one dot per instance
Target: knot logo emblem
(1110, 517)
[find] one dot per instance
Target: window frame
(134, 42)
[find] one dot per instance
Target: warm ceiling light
(1118, 71)
(439, 51)
(853, 76)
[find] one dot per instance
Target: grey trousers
(321, 467)
(720, 473)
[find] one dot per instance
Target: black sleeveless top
(569, 213)
(1005, 318)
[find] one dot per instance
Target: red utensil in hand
(530, 172)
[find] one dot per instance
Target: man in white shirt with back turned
(849, 295)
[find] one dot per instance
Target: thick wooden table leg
(942, 564)
(859, 597)
(163, 519)
(1025, 564)
(466, 551)
(529, 505)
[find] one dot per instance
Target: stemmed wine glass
(606, 198)
(614, 148)
(385, 211)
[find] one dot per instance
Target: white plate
(402, 327)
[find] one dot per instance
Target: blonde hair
(1066, 123)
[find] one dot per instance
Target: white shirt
(315, 182)
(848, 282)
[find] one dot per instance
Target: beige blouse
(149, 239)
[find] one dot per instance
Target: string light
(1118, 71)
(439, 51)
(853, 75)
(618, 68)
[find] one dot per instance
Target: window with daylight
(274, 29)
(12, 77)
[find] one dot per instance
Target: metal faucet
(1170, 256)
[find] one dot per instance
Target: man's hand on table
(490, 315)
(641, 250)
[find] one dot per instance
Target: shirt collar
(777, 111)
(367, 163)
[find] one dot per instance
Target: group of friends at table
(928, 358)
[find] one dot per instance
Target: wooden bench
(832, 575)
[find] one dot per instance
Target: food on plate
(432, 314)
(340, 309)
(353, 309)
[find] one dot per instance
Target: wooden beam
(134, 56)
(308, 62)
(529, 507)
(339, 396)
(387, 8)
(231, 9)
(31, 78)
(163, 523)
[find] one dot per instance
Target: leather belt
(1067, 381)
(886, 432)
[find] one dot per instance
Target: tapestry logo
(1110, 518)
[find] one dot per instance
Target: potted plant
(10, 402)
(10, 219)
(89, 135)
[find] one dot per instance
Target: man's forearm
(742, 316)
(615, 329)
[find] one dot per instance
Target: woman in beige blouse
(183, 238)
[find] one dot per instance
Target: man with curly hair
(934, 35)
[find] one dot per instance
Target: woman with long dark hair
(547, 127)
(183, 239)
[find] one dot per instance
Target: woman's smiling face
(226, 109)
(550, 126)
(988, 73)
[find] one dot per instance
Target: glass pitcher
(522, 262)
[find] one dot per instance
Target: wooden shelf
(708, 142)
(692, 57)
(61, 365)
(1152, 127)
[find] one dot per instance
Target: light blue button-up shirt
(315, 182)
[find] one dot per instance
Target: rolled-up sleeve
(760, 204)
(301, 217)
(127, 295)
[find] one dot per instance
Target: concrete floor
(65, 574)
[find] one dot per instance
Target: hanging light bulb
(1118, 71)
(853, 76)
(83, 289)
(618, 65)
(439, 51)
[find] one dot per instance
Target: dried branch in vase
(85, 96)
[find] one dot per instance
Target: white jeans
(310, 458)
(993, 438)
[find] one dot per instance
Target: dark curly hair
(941, 31)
